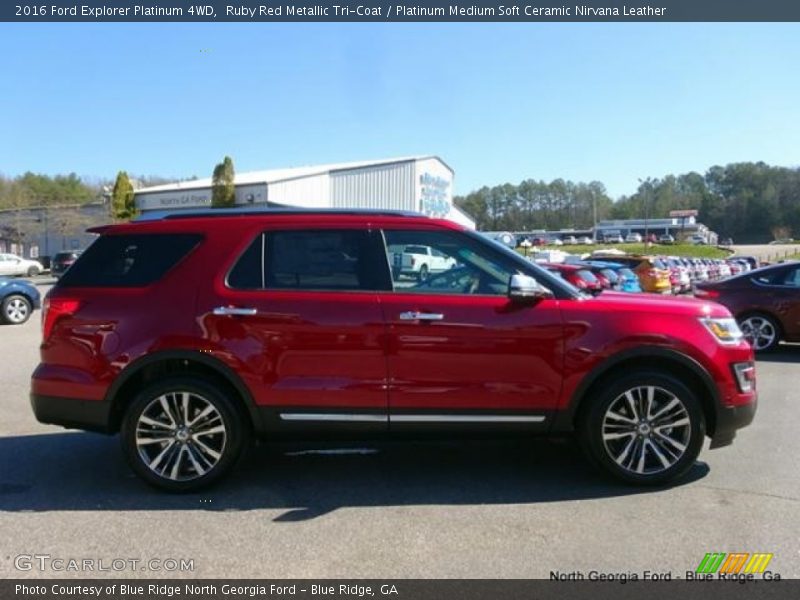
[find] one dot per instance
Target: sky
(499, 103)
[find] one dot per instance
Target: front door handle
(235, 311)
(413, 315)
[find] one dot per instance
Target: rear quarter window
(129, 260)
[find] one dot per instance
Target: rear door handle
(235, 311)
(413, 315)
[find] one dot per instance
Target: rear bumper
(729, 419)
(91, 415)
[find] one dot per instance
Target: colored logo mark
(735, 562)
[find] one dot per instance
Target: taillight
(55, 308)
(707, 294)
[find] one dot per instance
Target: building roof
(277, 175)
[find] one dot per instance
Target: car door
(299, 311)
(6, 265)
(460, 352)
(786, 300)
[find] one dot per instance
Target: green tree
(223, 192)
(123, 207)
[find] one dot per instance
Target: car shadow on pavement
(785, 353)
(85, 471)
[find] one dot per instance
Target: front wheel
(182, 434)
(647, 428)
(33, 271)
(761, 331)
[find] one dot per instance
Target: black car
(62, 261)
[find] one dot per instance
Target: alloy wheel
(646, 430)
(180, 436)
(17, 310)
(760, 332)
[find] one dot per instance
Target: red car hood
(658, 304)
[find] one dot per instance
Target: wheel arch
(177, 362)
(685, 368)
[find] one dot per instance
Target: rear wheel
(646, 428)
(32, 271)
(422, 276)
(16, 309)
(183, 434)
(761, 331)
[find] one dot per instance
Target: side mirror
(523, 288)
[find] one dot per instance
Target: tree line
(749, 202)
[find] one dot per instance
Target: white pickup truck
(418, 261)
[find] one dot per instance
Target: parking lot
(433, 510)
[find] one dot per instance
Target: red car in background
(581, 277)
(765, 302)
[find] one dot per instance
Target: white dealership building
(418, 183)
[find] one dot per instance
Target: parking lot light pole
(645, 186)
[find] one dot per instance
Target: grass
(692, 250)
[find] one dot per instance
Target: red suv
(190, 333)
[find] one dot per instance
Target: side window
(775, 277)
(248, 272)
(792, 278)
(338, 260)
(129, 260)
(444, 262)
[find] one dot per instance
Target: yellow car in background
(653, 274)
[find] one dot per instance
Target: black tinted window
(309, 260)
(248, 273)
(128, 260)
(324, 260)
(771, 276)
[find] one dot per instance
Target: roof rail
(249, 212)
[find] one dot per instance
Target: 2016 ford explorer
(190, 333)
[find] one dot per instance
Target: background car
(62, 261)
(654, 276)
(613, 238)
(765, 302)
(578, 275)
(18, 300)
(634, 238)
(666, 239)
(13, 265)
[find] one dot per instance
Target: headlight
(724, 329)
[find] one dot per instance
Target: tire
(33, 271)
(422, 276)
(762, 331)
(183, 458)
(16, 309)
(617, 437)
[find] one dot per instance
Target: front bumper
(90, 415)
(729, 419)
